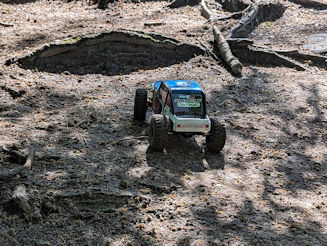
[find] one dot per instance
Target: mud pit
(94, 179)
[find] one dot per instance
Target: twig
(154, 24)
(311, 3)
(225, 50)
(235, 15)
(6, 25)
(208, 50)
(29, 159)
(128, 139)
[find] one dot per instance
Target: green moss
(72, 40)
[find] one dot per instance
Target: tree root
(257, 13)
(21, 199)
(317, 4)
(102, 4)
(14, 155)
(86, 56)
(235, 5)
(248, 53)
(310, 59)
(18, 157)
(181, 3)
(235, 15)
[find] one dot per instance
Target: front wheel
(158, 135)
(217, 138)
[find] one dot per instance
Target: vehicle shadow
(185, 154)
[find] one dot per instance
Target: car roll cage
(163, 84)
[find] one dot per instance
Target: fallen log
(265, 10)
(205, 11)
(317, 4)
(226, 52)
(224, 48)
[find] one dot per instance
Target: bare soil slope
(94, 179)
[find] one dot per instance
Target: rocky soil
(94, 179)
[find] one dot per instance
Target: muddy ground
(96, 182)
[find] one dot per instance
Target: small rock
(123, 184)
(317, 43)
(44, 243)
(11, 232)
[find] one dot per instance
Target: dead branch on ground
(226, 52)
(223, 46)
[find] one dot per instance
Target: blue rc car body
(180, 108)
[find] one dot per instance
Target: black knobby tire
(140, 103)
(217, 138)
(158, 135)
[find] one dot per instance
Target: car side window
(169, 102)
(163, 93)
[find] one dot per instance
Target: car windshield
(188, 103)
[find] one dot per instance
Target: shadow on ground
(94, 167)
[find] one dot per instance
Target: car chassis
(179, 108)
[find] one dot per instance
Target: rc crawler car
(179, 108)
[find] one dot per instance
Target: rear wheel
(158, 135)
(217, 138)
(140, 103)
